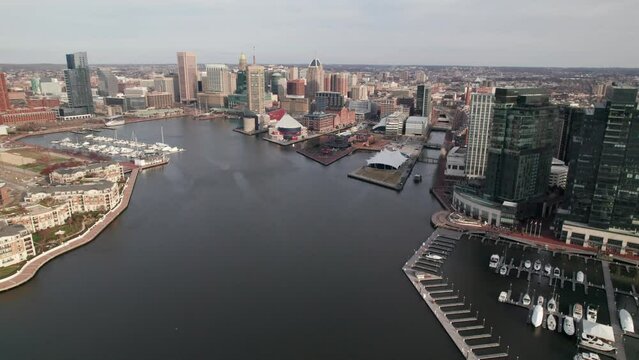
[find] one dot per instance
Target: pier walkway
(28, 271)
(612, 309)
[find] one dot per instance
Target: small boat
(556, 272)
(580, 277)
(503, 296)
(527, 264)
(547, 269)
(551, 323)
(577, 311)
(494, 260)
(537, 265)
(417, 178)
(434, 257)
(591, 314)
(503, 270)
(552, 305)
(540, 300)
(569, 326)
(586, 356)
(537, 316)
(526, 300)
(626, 321)
(595, 343)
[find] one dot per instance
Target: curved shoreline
(29, 270)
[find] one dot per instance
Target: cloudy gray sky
(472, 32)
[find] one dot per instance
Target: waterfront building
(295, 87)
(107, 83)
(4, 93)
(319, 121)
(287, 129)
(558, 174)
(422, 101)
(109, 171)
(207, 101)
(456, 162)
(293, 73)
(37, 217)
(314, 78)
(416, 125)
(187, 75)
(165, 85)
(43, 102)
(255, 88)
(16, 244)
(479, 127)
(77, 78)
(135, 98)
(392, 124)
(295, 104)
(328, 100)
(99, 196)
(176, 86)
(160, 100)
(242, 62)
(217, 79)
(23, 116)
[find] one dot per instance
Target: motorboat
(527, 264)
(551, 305)
(595, 343)
(580, 277)
(526, 300)
(537, 265)
(556, 272)
(547, 269)
(540, 300)
(551, 323)
(503, 270)
(503, 296)
(626, 321)
(537, 316)
(591, 314)
(577, 311)
(417, 178)
(569, 326)
(494, 261)
(586, 356)
(434, 257)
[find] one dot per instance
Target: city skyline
(455, 32)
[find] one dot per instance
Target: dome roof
(315, 62)
(242, 56)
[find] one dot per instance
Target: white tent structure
(387, 159)
(287, 122)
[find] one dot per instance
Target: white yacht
(537, 265)
(527, 264)
(547, 269)
(551, 323)
(503, 270)
(569, 326)
(540, 300)
(591, 314)
(434, 257)
(626, 321)
(577, 311)
(595, 343)
(586, 356)
(552, 305)
(526, 300)
(494, 261)
(580, 277)
(556, 272)
(537, 316)
(503, 296)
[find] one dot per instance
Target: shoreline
(32, 266)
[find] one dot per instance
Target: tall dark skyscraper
(422, 101)
(521, 145)
(604, 163)
(77, 77)
(107, 83)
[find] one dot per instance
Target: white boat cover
(387, 157)
(601, 331)
(626, 321)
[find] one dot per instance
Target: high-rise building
(242, 64)
(422, 101)
(107, 83)
(604, 163)
(328, 100)
(339, 83)
(479, 127)
(359, 92)
(217, 79)
(255, 88)
(165, 85)
(187, 74)
(521, 144)
(278, 84)
(295, 87)
(314, 78)
(4, 93)
(293, 73)
(77, 78)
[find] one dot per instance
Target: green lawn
(10, 270)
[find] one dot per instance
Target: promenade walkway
(32, 266)
(612, 310)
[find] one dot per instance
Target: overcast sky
(423, 32)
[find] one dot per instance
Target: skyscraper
(255, 88)
(242, 64)
(217, 79)
(278, 85)
(422, 101)
(603, 190)
(339, 83)
(4, 93)
(479, 126)
(521, 144)
(293, 73)
(107, 83)
(314, 78)
(187, 74)
(165, 84)
(77, 78)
